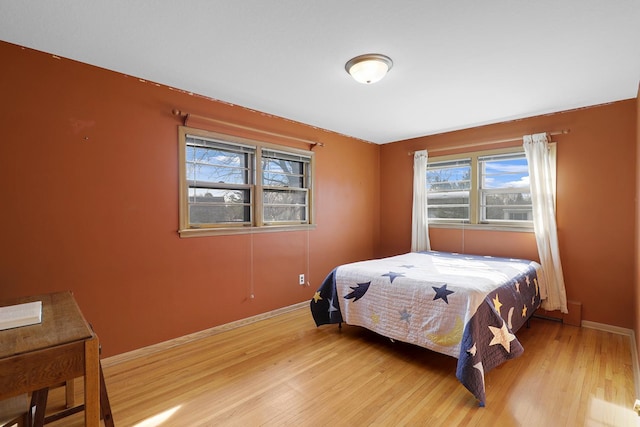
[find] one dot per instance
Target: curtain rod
(186, 116)
(497, 141)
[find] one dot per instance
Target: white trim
(485, 227)
(166, 345)
(607, 328)
(634, 349)
(636, 366)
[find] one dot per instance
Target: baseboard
(165, 345)
(607, 328)
(636, 366)
(634, 349)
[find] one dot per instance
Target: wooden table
(60, 348)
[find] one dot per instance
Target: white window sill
(484, 227)
(203, 232)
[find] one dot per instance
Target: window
(449, 189)
(285, 188)
(488, 189)
(504, 192)
(234, 185)
(218, 182)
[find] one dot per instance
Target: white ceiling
(457, 64)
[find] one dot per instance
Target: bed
(465, 306)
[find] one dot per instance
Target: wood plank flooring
(284, 371)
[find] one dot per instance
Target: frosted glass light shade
(368, 68)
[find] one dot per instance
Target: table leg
(39, 402)
(92, 383)
(69, 392)
(105, 406)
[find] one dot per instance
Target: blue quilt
(465, 306)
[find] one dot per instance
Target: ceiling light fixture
(368, 68)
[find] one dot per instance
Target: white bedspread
(424, 299)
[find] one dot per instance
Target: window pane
(458, 178)
(504, 172)
(207, 195)
(289, 171)
(507, 206)
(504, 188)
(449, 212)
(281, 165)
(448, 189)
(280, 170)
(504, 198)
(216, 166)
(213, 156)
(285, 205)
(216, 174)
(282, 180)
(448, 198)
(285, 214)
(287, 197)
(508, 213)
(210, 206)
(218, 214)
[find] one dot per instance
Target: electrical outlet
(301, 279)
(636, 406)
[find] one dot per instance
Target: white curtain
(419, 217)
(537, 150)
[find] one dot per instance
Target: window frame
(265, 188)
(484, 192)
(457, 162)
(474, 221)
(255, 186)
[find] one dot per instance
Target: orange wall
(89, 187)
(88, 179)
(596, 207)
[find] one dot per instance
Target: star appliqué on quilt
(442, 293)
(393, 275)
(502, 336)
(405, 315)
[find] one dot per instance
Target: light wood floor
(285, 371)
